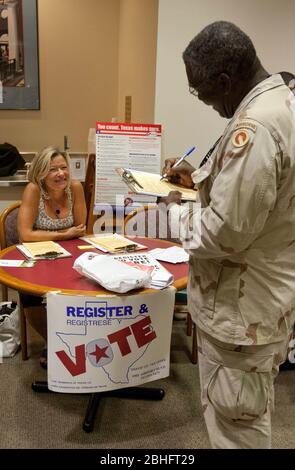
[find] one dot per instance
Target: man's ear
(224, 82)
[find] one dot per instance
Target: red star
(99, 353)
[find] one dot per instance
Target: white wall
(186, 121)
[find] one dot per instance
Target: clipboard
(113, 243)
(43, 250)
(141, 182)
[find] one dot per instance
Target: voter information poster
(124, 145)
(96, 344)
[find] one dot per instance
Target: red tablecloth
(59, 274)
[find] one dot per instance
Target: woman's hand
(74, 232)
(180, 174)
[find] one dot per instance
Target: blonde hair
(40, 167)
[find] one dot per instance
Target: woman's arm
(79, 205)
(27, 215)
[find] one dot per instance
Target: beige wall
(137, 58)
(91, 54)
(186, 120)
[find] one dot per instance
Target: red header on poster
(127, 128)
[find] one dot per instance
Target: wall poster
(19, 70)
(127, 145)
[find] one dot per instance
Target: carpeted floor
(30, 420)
(52, 421)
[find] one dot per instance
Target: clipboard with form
(43, 250)
(112, 243)
(141, 182)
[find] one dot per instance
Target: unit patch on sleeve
(240, 138)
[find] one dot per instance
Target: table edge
(34, 289)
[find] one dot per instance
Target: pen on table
(180, 161)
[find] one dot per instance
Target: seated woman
(53, 208)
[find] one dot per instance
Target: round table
(59, 275)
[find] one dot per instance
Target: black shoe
(287, 365)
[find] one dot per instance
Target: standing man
(242, 259)
(289, 79)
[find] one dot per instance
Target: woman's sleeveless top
(44, 222)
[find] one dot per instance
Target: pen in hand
(179, 161)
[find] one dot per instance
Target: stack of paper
(160, 276)
(113, 243)
(43, 250)
(173, 254)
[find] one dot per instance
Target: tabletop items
(43, 250)
(112, 243)
(58, 274)
(122, 273)
(173, 254)
(111, 273)
(160, 277)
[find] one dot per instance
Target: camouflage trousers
(237, 391)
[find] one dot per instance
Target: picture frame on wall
(19, 67)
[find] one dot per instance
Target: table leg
(89, 419)
(40, 387)
(138, 393)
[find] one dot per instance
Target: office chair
(9, 237)
(89, 187)
(146, 221)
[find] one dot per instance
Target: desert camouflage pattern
(237, 391)
(242, 273)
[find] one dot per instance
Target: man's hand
(174, 197)
(180, 174)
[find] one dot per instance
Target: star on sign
(99, 353)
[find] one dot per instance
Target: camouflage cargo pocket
(240, 395)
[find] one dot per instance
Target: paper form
(16, 263)
(153, 185)
(113, 243)
(43, 250)
(173, 254)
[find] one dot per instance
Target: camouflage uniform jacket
(242, 272)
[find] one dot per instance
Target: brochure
(161, 278)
